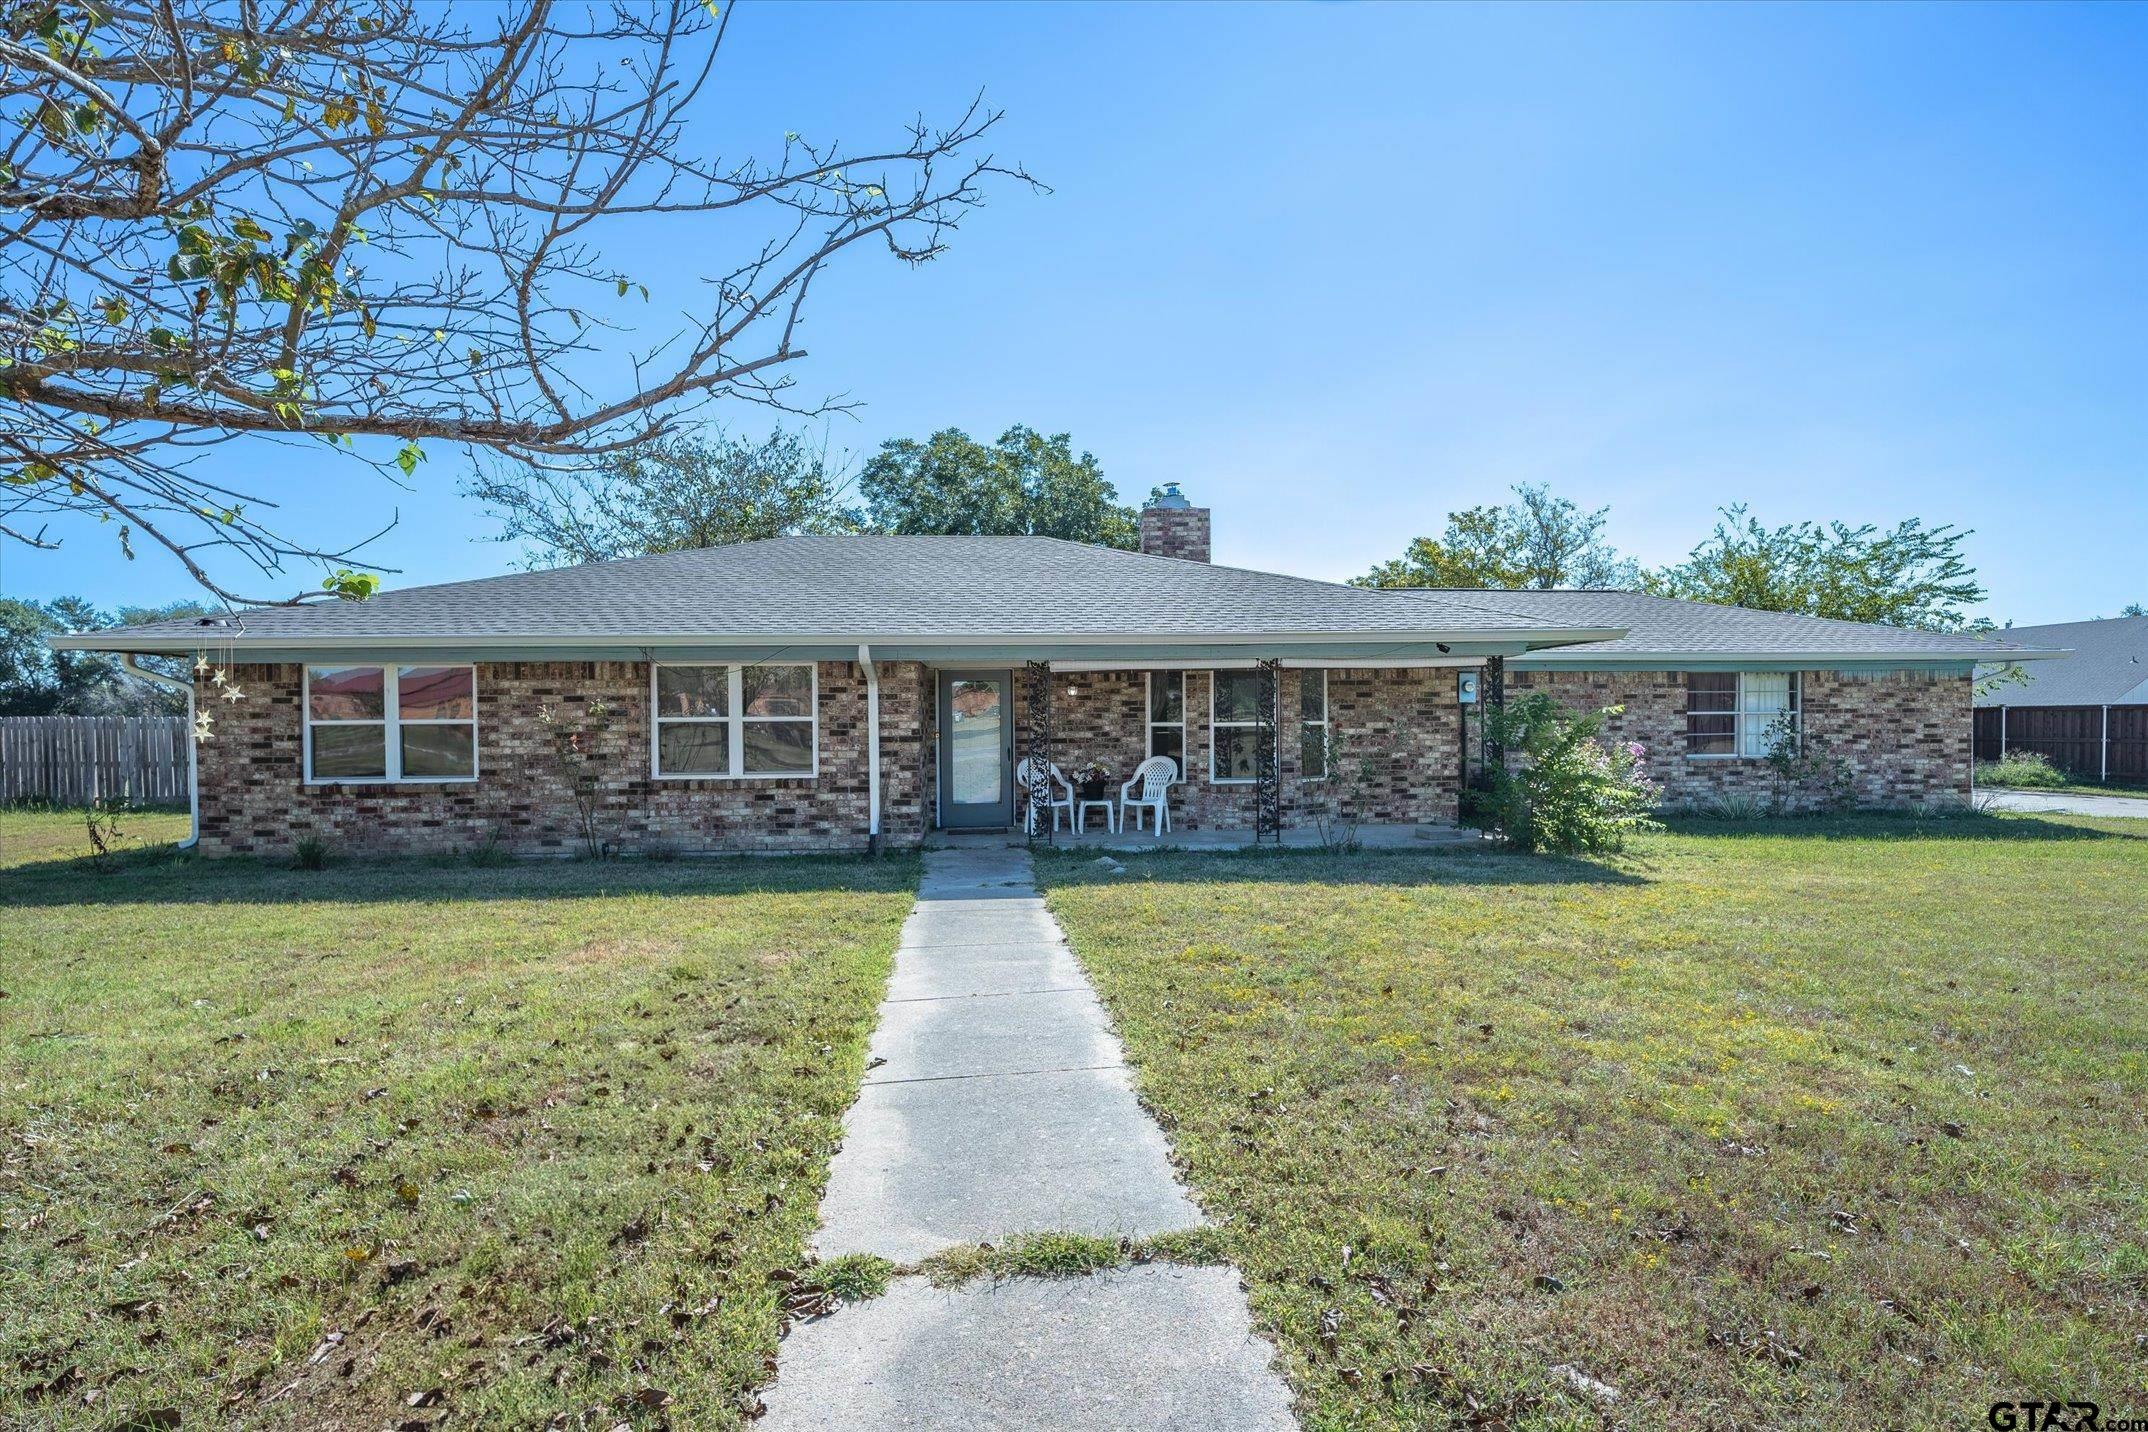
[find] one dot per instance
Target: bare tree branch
(344, 222)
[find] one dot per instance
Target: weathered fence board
(74, 760)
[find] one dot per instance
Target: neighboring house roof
(879, 589)
(1666, 628)
(2106, 664)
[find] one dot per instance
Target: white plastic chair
(1155, 777)
(1025, 772)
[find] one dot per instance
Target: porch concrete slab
(1155, 1346)
(929, 1164)
(1062, 1028)
(946, 971)
(1368, 837)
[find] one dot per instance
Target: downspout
(2103, 764)
(193, 754)
(872, 747)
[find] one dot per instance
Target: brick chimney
(1173, 527)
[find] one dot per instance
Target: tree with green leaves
(368, 226)
(1537, 542)
(1909, 575)
(1025, 484)
(38, 681)
(703, 490)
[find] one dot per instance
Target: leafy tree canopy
(1026, 484)
(1909, 575)
(38, 681)
(1535, 542)
(671, 495)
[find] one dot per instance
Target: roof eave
(222, 640)
(1800, 658)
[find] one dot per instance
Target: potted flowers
(1091, 779)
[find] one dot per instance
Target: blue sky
(1340, 269)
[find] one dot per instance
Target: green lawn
(415, 1141)
(1841, 1125)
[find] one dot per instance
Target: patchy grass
(1835, 1122)
(417, 1141)
(30, 834)
(1066, 1255)
(852, 1277)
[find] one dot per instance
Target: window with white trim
(1233, 726)
(1313, 725)
(384, 723)
(1740, 713)
(733, 722)
(1167, 717)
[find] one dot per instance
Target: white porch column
(872, 744)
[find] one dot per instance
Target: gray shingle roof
(1666, 626)
(872, 588)
(2106, 665)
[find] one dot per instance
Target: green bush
(310, 853)
(2019, 768)
(1571, 793)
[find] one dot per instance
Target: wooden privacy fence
(74, 760)
(2086, 742)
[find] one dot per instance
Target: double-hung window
(1312, 724)
(1167, 717)
(1740, 713)
(730, 722)
(1233, 726)
(391, 723)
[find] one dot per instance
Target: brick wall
(1398, 732)
(254, 799)
(1905, 735)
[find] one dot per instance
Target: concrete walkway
(2063, 803)
(997, 1101)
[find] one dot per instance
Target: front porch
(1263, 748)
(1367, 837)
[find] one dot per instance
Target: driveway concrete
(997, 1102)
(2052, 803)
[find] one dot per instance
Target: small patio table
(1081, 815)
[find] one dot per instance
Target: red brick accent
(254, 799)
(1905, 734)
(1175, 532)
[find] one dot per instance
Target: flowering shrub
(1571, 794)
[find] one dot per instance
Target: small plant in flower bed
(2020, 768)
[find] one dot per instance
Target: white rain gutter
(872, 745)
(193, 760)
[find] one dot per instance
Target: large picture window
(1312, 725)
(391, 723)
(1738, 713)
(1233, 726)
(1167, 717)
(736, 722)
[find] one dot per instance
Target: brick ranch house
(835, 692)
